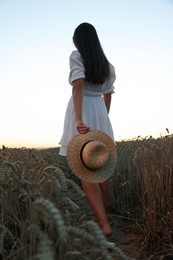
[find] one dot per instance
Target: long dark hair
(96, 65)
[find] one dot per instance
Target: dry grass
(142, 190)
(42, 210)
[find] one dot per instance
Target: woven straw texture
(79, 169)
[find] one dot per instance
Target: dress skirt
(94, 115)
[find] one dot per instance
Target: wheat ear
(44, 246)
(52, 216)
(100, 238)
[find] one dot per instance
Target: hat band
(81, 151)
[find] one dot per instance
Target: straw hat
(92, 156)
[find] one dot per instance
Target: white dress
(94, 112)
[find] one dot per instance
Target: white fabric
(94, 113)
(77, 71)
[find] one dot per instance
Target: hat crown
(94, 154)
(92, 170)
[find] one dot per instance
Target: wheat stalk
(100, 238)
(44, 245)
(76, 187)
(52, 216)
(67, 201)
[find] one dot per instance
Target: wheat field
(44, 213)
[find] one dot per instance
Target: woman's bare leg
(95, 199)
(104, 186)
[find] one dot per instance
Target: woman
(92, 78)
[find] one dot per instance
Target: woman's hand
(81, 127)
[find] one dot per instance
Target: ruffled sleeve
(109, 87)
(77, 70)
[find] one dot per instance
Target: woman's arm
(78, 101)
(107, 98)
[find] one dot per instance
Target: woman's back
(77, 70)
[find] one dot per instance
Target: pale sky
(35, 44)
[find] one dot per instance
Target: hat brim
(74, 157)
